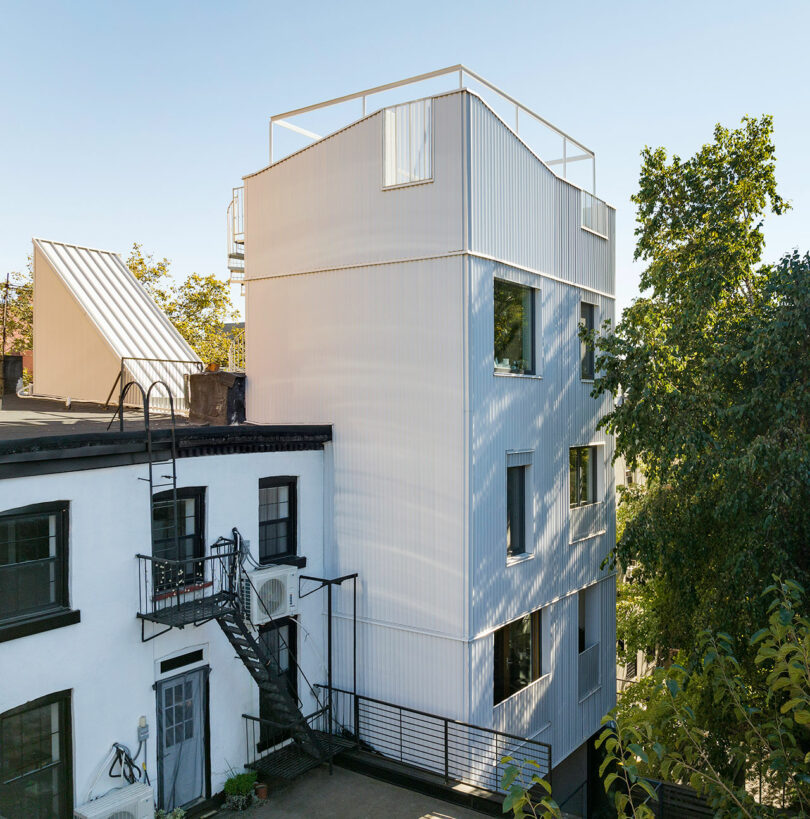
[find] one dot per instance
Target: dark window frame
(531, 369)
(587, 319)
(593, 483)
(62, 561)
(267, 735)
(64, 699)
(516, 538)
(194, 572)
(290, 481)
(502, 678)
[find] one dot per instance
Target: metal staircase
(260, 664)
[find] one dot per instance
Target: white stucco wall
(102, 659)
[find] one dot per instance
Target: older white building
(417, 279)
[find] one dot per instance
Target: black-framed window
(582, 475)
(518, 655)
(33, 560)
(587, 318)
(513, 328)
(35, 759)
(280, 640)
(515, 510)
(189, 542)
(277, 518)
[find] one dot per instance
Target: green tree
(19, 311)
(198, 308)
(711, 373)
(761, 768)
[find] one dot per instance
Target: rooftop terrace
(567, 157)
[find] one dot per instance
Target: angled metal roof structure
(104, 316)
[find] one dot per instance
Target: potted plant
(239, 790)
(261, 790)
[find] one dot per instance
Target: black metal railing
(257, 729)
(457, 751)
(167, 587)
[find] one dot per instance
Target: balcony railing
(587, 521)
(588, 670)
(456, 751)
(181, 592)
(236, 234)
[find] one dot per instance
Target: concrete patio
(349, 795)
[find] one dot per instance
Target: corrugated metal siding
(378, 353)
(521, 212)
(115, 305)
(325, 206)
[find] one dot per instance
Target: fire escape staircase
(194, 591)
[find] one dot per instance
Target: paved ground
(349, 795)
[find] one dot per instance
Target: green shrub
(240, 784)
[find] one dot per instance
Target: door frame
(292, 668)
(206, 716)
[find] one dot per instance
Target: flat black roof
(39, 436)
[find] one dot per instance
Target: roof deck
(567, 157)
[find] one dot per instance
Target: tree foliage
(712, 377)
(662, 729)
(19, 311)
(198, 308)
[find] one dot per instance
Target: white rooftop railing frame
(462, 71)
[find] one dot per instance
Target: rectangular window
(582, 475)
(277, 518)
(408, 143)
(515, 510)
(518, 653)
(178, 534)
(279, 640)
(514, 328)
(587, 316)
(594, 214)
(33, 560)
(35, 765)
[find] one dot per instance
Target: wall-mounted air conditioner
(131, 802)
(270, 593)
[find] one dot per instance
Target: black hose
(129, 771)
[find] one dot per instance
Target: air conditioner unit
(270, 593)
(131, 802)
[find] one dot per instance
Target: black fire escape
(192, 591)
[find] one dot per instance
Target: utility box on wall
(217, 398)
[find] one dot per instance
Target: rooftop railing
(567, 156)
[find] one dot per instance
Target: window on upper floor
(277, 518)
(519, 655)
(587, 318)
(33, 560)
(178, 534)
(35, 762)
(582, 475)
(594, 214)
(407, 144)
(513, 328)
(515, 510)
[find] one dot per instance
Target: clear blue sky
(131, 121)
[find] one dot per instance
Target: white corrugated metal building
(90, 313)
(372, 261)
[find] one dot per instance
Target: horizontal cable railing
(588, 670)
(166, 585)
(454, 750)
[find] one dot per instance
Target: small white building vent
(270, 593)
(132, 802)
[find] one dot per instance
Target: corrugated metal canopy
(118, 305)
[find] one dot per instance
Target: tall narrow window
(408, 143)
(178, 535)
(35, 765)
(277, 517)
(33, 560)
(582, 475)
(587, 313)
(515, 510)
(514, 327)
(517, 659)
(279, 640)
